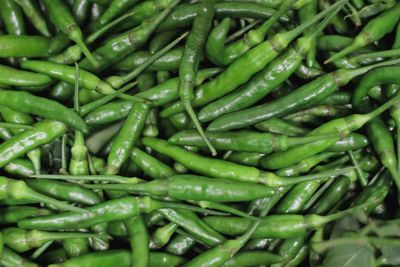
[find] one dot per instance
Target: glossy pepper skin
(43, 133)
(40, 106)
(24, 46)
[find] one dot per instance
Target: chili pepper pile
(199, 133)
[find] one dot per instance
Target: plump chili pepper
(344, 126)
(161, 94)
(184, 14)
(108, 211)
(67, 74)
(61, 17)
(139, 240)
(75, 247)
(150, 165)
(373, 31)
(12, 17)
(14, 77)
(170, 61)
(162, 235)
(194, 225)
(24, 46)
(65, 191)
(180, 245)
(275, 226)
(303, 96)
(190, 187)
(13, 214)
(33, 13)
(247, 141)
(44, 132)
(221, 55)
(127, 137)
(23, 240)
(114, 9)
(221, 169)
(235, 75)
(119, 47)
(19, 190)
(10, 258)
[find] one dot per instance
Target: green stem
(360, 174)
(41, 249)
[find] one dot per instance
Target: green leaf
(390, 254)
(350, 255)
(346, 224)
(388, 230)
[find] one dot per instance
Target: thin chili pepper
(10, 258)
(275, 226)
(222, 169)
(343, 126)
(184, 15)
(58, 43)
(194, 225)
(162, 39)
(28, 103)
(278, 71)
(338, 23)
(252, 258)
(67, 74)
(13, 214)
(23, 240)
(120, 46)
(112, 210)
(161, 94)
(33, 13)
(247, 141)
(44, 132)
(12, 17)
(139, 241)
(221, 55)
(333, 42)
(196, 188)
(307, 73)
(150, 165)
(114, 9)
(373, 31)
(170, 61)
(19, 190)
(235, 74)
(127, 137)
(315, 91)
(65, 191)
(118, 81)
(244, 158)
(61, 17)
(80, 10)
(279, 126)
(20, 168)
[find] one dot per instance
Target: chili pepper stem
(363, 180)
(196, 123)
(273, 180)
(43, 198)
(76, 36)
(358, 42)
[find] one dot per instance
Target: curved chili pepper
(32, 12)
(139, 240)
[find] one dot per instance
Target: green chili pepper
(23, 240)
(247, 141)
(114, 9)
(61, 17)
(150, 165)
(32, 12)
(12, 17)
(10, 259)
(373, 31)
(67, 74)
(13, 214)
(127, 137)
(235, 75)
(139, 240)
(180, 245)
(252, 258)
(304, 96)
(75, 247)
